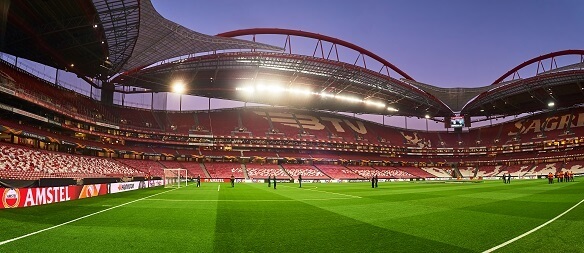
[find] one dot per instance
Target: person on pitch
(269, 182)
(300, 180)
(504, 178)
(508, 178)
(198, 180)
(372, 181)
(232, 181)
(550, 178)
(376, 180)
(274, 181)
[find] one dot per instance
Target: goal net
(175, 178)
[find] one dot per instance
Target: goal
(175, 178)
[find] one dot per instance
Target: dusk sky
(453, 43)
(445, 43)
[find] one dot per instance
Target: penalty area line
(80, 218)
(245, 200)
(533, 230)
(336, 193)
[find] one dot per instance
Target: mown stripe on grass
(245, 200)
(533, 230)
(80, 218)
(335, 193)
(298, 226)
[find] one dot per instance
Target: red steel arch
(320, 37)
(539, 59)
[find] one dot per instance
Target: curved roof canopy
(99, 38)
(221, 75)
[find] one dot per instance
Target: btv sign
(314, 123)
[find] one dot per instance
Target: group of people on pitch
(506, 178)
(374, 181)
(270, 181)
(561, 176)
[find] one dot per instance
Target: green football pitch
(524, 216)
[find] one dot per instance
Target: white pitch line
(243, 200)
(218, 187)
(340, 194)
(531, 231)
(80, 218)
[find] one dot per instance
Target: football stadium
(312, 159)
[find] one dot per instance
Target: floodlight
(551, 104)
(178, 87)
(427, 116)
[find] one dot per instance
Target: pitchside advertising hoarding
(25, 197)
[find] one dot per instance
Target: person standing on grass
(504, 178)
(232, 181)
(508, 178)
(550, 178)
(376, 180)
(300, 180)
(269, 182)
(274, 181)
(372, 181)
(198, 180)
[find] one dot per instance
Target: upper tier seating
(36, 163)
(262, 171)
(438, 172)
(576, 167)
(545, 168)
(467, 171)
(224, 170)
(224, 123)
(307, 171)
(489, 170)
(338, 172)
(148, 167)
(367, 172)
(392, 172)
(417, 172)
(194, 169)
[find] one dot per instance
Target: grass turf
(396, 217)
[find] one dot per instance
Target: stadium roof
(99, 38)
(102, 38)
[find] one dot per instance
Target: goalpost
(175, 178)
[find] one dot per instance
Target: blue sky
(450, 43)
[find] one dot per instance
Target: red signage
(25, 197)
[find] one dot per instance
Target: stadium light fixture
(391, 109)
(249, 89)
(300, 91)
(178, 87)
(427, 116)
(374, 103)
(326, 95)
(551, 104)
(348, 99)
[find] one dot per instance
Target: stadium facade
(126, 47)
